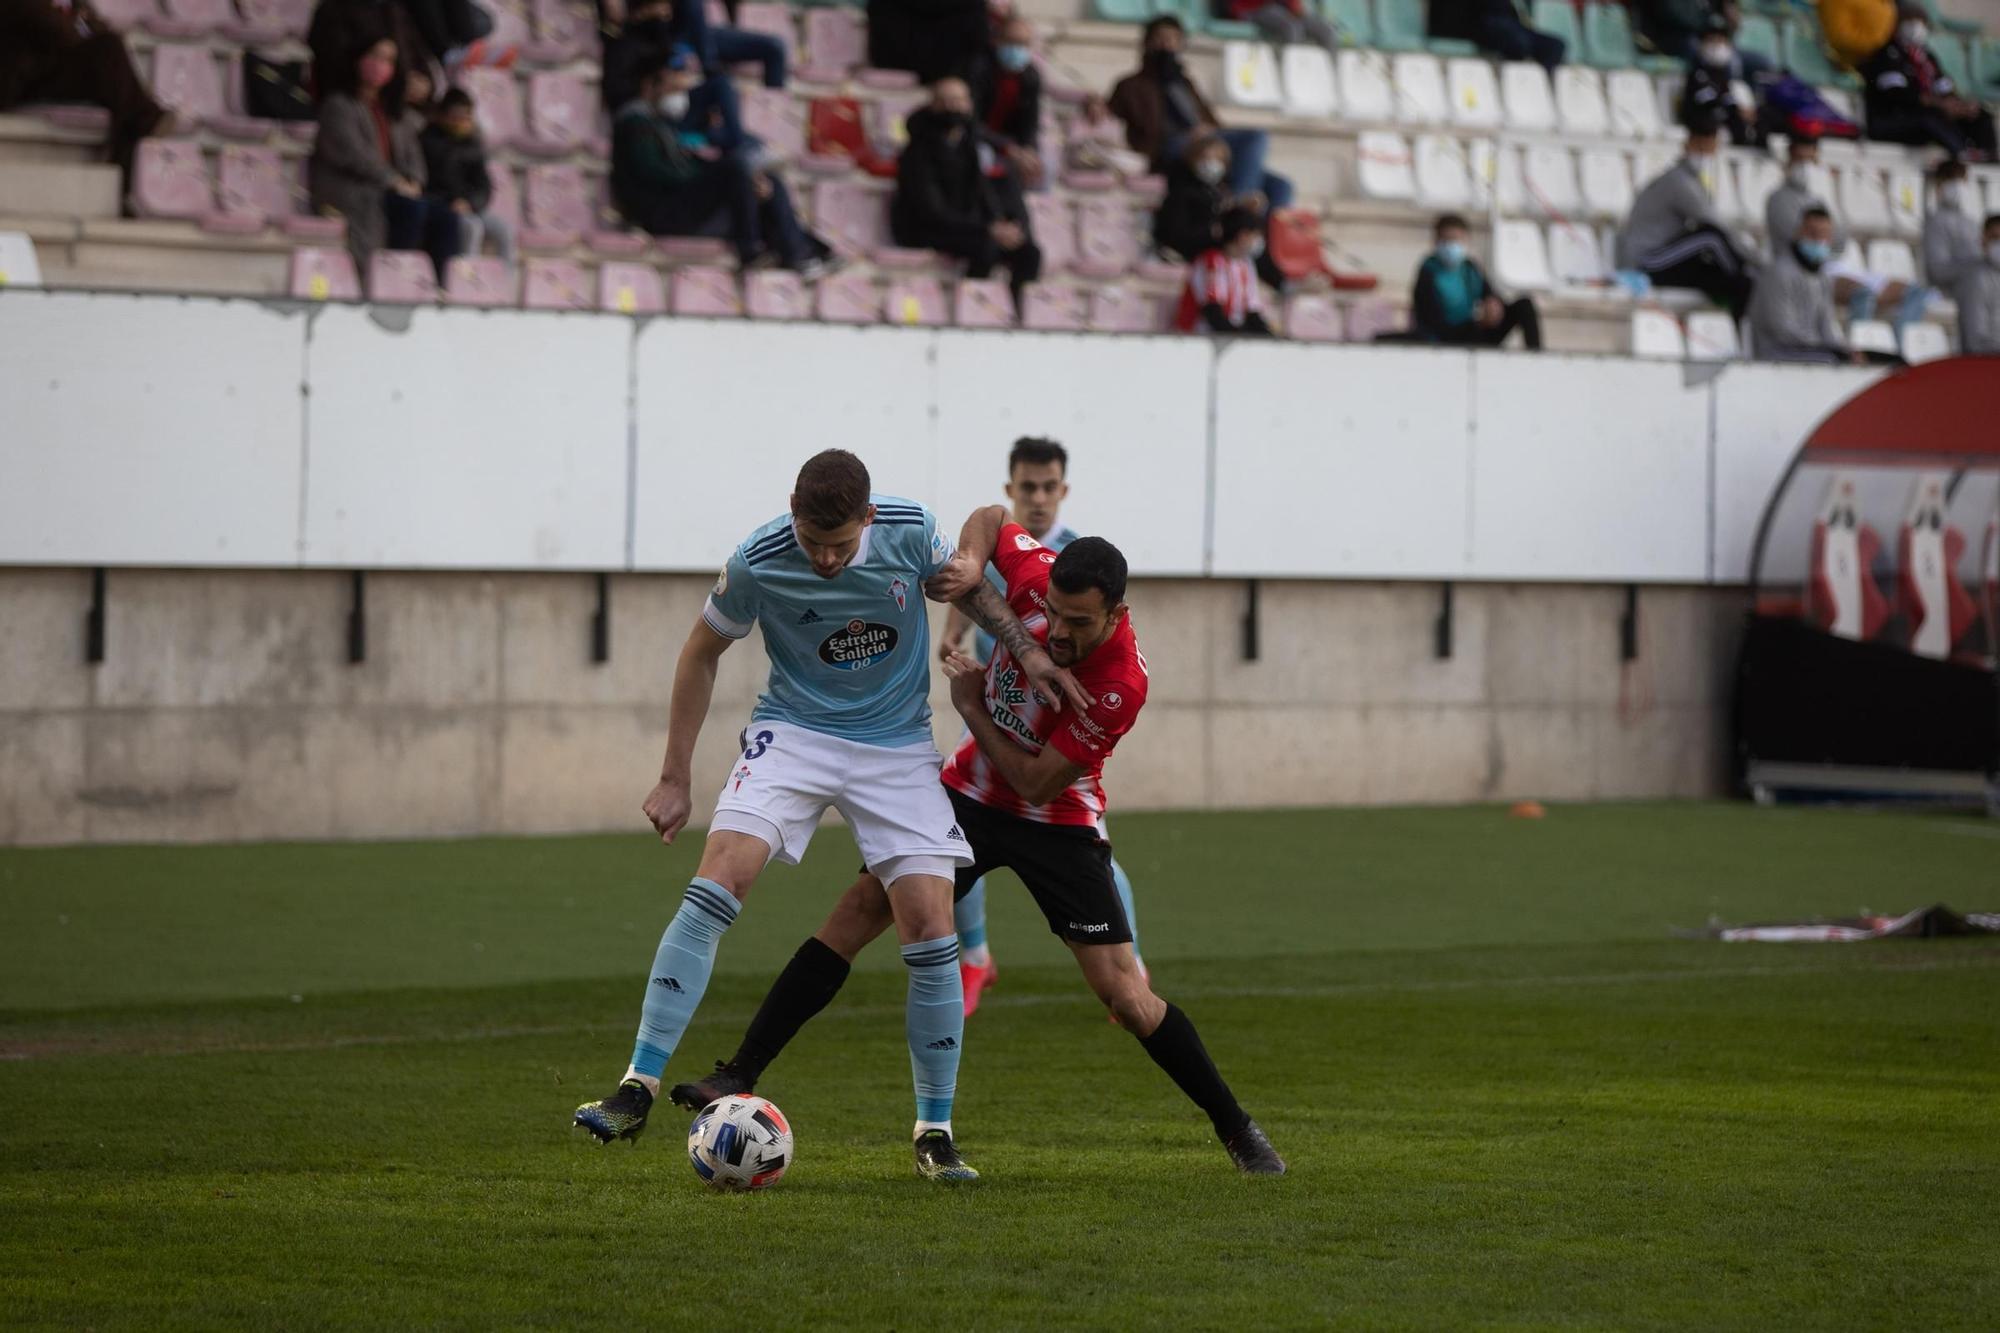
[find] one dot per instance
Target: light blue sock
(969, 915)
(936, 1023)
(680, 973)
(1124, 883)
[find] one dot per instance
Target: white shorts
(786, 776)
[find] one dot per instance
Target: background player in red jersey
(1025, 786)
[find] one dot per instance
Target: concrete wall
(226, 708)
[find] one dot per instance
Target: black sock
(1176, 1047)
(808, 983)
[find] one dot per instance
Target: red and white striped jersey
(1218, 279)
(1114, 674)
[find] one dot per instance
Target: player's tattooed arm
(984, 607)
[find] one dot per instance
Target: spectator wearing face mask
(1860, 289)
(1674, 235)
(647, 33)
(1282, 22)
(455, 157)
(1007, 97)
(1910, 99)
(368, 167)
(1222, 293)
(1197, 196)
(955, 193)
(1791, 315)
(1452, 302)
(671, 181)
(1496, 27)
(1959, 260)
(1712, 90)
(1162, 108)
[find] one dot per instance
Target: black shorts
(1065, 866)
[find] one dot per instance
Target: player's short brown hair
(832, 490)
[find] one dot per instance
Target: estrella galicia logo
(857, 645)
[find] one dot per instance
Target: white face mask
(1914, 34)
(1210, 169)
(673, 105)
(1717, 55)
(1952, 194)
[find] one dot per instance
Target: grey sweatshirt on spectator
(1955, 261)
(1791, 311)
(1783, 212)
(1673, 203)
(1978, 295)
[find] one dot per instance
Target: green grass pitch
(313, 1086)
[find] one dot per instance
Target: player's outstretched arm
(984, 607)
(1035, 778)
(668, 804)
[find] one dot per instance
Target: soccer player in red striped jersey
(1026, 788)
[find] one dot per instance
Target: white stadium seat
(1892, 259)
(1756, 177)
(1606, 176)
(1250, 76)
(1656, 336)
(1520, 260)
(1711, 336)
(1482, 166)
(1475, 94)
(1906, 202)
(1308, 79)
(1420, 98)
(1924, 341)
(1864, 204)
(1728, 199)
(1651, 160)
(1819, 180)
(1635, 111)
(1510, 193)
(18, 265)
(1872, 335)
(1382, 162)
(1525, 94)
(1575, 259)
(1364, 86)
(1987, 180)
(1550, 174)
(1443, 181)
(1580, 102)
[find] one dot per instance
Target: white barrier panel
(1761, 415)
(471, 439)
(1352, 466)
(1588, 468)
(1132, 411)
(148, 430)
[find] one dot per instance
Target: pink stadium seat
(1123, 310)
(234, 123)
(564, 30)
(89, 119)
(506, 201)
(693, 249)
(1311, 317)
(1365, 319)
(1147, 190)
(555, 284)
(1053, 307)
(983, 303)
(915, 299)
(776, 294)
(187, 79)
(129, 13)
(704, 289)
(1152, 268)
(250, 184)
(773, 116)
(562, 114)
(896, 258)
(886, 80)
(849, 298)
(191, 18)
(836, 42)
(268, 20)
(496, 97)
(170, 180)
(1054, 225)
(611, 237)
(631, 289)
(1107, 238)
(557, 201)
(483, 281)
(324, 275)
(853, 218)
(401, 277)
(1089, 182)
(511, 27)
(774, 19)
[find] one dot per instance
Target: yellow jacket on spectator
(1857, 29)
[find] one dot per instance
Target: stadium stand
(1377, 140)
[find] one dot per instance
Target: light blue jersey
(982, 642)
(850, 655)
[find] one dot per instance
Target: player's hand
(667, 806)
(948, 647)
(1056, 684)
(968, 682)
(958, 577)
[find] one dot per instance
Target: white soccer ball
(740, 1143)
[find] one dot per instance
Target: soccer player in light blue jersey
(838, 587)
(1037, 484)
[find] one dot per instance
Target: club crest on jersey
(1112, 700)
(898, 590)
(1023, 542)
(858, 645)
(722, 582)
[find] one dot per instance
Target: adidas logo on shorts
(943, 1044)
(954, 835)
(811, 617)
